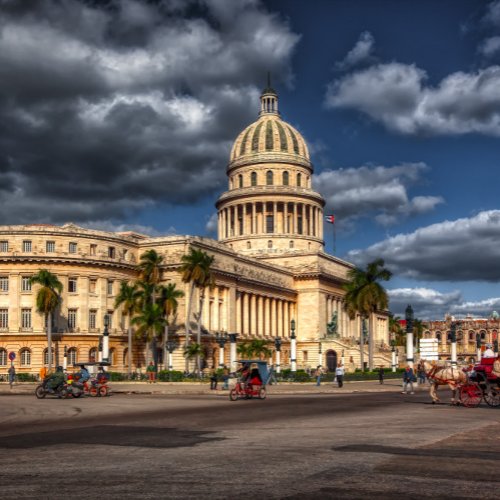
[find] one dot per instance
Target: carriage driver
(489, 353)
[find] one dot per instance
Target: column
(260, 316)
(286, 318)
(264, 212)
(254, 319)
(267, 319)
(215, 311)
(254, 219)
(275, 217)
(279, 307)
(238, 313)
(294, 218)
(309, 220)
(245, 314)
(285, 218)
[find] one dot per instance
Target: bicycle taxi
(254, 374)
(97, 385)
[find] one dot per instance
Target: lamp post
(320, 354)
(393, 352)
(409, 335)
(397, 357)
(478, 347)
(293, 347)
(65, 358)
(277, 345)
(171, 345)
(453, 339)
(232, 351)
(221, 339)
(99, 355)
(105, 339)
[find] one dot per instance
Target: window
(26, 246)
(240, 181)
(72, 285)
(4, 283)
(93, 354)
(112, 356)
(249, 245)
(50, 246)
(72, 247)
(110, 319)
(253, 178)
(25, 357)
(291, 244)
(25, 284)
(4, 318)
(269, 244)
(46, 356)
(93, 249)
(269, 178)
(25, 318)
(72, 358)
(299, 180)
(109, 289)
(285, 178)
(305, 356)
(3, 357)
(92, 319)
(111, 252)
(269, 224)
(92, 285)
(4, 246)
(71, 319)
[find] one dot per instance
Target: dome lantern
(269, 99)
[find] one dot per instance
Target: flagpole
(334, 239)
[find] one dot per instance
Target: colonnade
(345, 326)
(270, 217)
(259, 315)
(215, 313)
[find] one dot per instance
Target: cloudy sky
(121, 114)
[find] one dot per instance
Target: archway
(331, 360)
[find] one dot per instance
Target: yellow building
(270, 268)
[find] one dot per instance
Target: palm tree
(259, 348)
(366, 296)
(194, 350)
(395, 330)
(244, 350)
(128, 296)
(150, 322)
(150, 266)
(418, 330)
(196, 270)
(48, 298)
(169, 296)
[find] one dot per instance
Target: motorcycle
(42, 390)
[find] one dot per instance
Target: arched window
(291, 244)
(269, 178)
(299, 180)
(72, 356)
(483, 335)
(112, 356)
(285, 178)
(270, 244)
(46, 356)
(240, 181)
(93, 354)
(125, 356)
(253, 178)
(472, 336)
(3, 357)
(249, 244)
(438, 336)
(25, 356)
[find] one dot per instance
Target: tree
(168, 299)
(128, 297)
(48, 298)
(150, 266)
(194, 350)
(365, 296)
(150, 321)
(196, 270)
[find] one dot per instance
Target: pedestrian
(421, 374)
(151, 373)
(43, 373)
(381, 374)
(408, 378)
(213, 380)
(339, 373)
(12, 375)
(318, 374)
(225, 378)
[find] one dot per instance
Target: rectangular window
(71, 319)
(72, 247)
(269, 224)
(92, 319)
(25, 284)
(110, 287)
(25, 318)
(111, 252)
(4, 283)
(26, 246)
(93, 249)
(4, 318)
(72, 285)
(110, 319)
(4, 246)
(50, 246)
(92, 285)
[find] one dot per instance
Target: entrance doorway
(331, 360)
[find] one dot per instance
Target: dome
(269, 138)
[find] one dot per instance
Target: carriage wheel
(471, 395)
(492, 396)
(233, 395)
(262, 394)
(93, 391)
(103, 391)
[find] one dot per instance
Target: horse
(443, 375)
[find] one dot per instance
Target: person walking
(225, 378)
(213, 380)
(318, 374)
(339, 373)
(12, 375)
(381, 374)
(151, 373)
(408, 378)
(421, 374)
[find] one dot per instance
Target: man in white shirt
(489, 353)
(339, 372)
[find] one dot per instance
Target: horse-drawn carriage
(486, 375)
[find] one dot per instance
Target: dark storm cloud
(131, 102)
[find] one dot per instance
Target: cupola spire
(269, 99)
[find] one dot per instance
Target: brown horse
(443, 375)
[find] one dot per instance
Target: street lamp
(65, 358)
(320, 354)
(478, 347)
(99, 356)
(453, 339)
(393, 352)
(293, 347)
(409, 335)
(105, 339)
(277, 345)
(232, 351)
(171, 345)
(221, 339)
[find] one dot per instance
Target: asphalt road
(371, 446)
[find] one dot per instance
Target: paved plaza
(318, 443)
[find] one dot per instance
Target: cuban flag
(330, 219)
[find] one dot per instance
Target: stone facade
(270, 267)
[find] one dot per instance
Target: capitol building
(270, 268)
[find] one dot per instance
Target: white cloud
(360, 53)
(212, 224)
(377, 192)
(493, 13)
(395, 94)
(490, 46)
(466, 249)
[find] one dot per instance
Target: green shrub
(26, 377)
(170, 376)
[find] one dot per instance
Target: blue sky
(121, 115)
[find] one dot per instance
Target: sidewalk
(201, 388)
